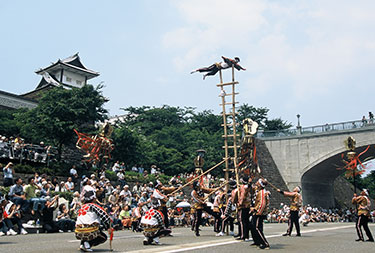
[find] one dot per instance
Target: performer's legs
(217, 221)
(358, 228)
(295, 219)
(245, 222)
(252, 227)
(206, 69)
(240, 225)
(162, 232)
(259, 230)
(254, 234)
(98, 240)
(164, 211)
(193, 221)
(223, 224)
(198, 220)
(231, 225)
(365, 227)
(211, 73)
(290, 223)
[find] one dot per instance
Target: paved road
(320, 237)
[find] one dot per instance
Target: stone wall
(271, 173)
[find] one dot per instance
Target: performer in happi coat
(260, 211)
(199, 205)
(243, 205)
(228, 210)
(363, 204)
(295, 205)
(217, 209)
(152, 223)
(91, 221)
(160, 192)
(216, 67)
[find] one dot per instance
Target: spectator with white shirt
(12, 217)
(8, 174)
(153, 170)
(126, 194)
(116, 167)
(69, 185)
(121, 178)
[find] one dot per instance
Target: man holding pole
(160, 193)
(199, 205)
(363, 204)
(296, 204)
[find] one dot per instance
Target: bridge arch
(318, 177)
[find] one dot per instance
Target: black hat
(232, 184)
(237, 59)
(245, 179)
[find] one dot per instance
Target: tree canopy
(169, 136)
(59, 112)
(166, 136)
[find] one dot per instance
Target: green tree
(59, 112)
(8, 126)
(276, 124)
(260, 115)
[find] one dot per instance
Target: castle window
(68, 79)
(79, 82)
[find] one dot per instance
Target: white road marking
(207, 244)
(124, 237)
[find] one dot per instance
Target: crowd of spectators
(32, 203)
(310, 214)
(36, 202)
(16, 149)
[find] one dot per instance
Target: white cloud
(309, 48)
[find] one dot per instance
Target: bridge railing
(316, 129)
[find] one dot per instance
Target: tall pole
(226, 153)
(232, 136)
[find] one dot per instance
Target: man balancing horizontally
(216, 67)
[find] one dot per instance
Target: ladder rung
(224, 84)
(230, 135)
(229, 114)
(230, 103)
(232, 146)
(230, 94)
(230, 170)
(230, 124)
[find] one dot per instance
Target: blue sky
(310, 57)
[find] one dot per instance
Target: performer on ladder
(199, 205)
(296, 204)
(363, 204)
(91, 221)
(216, 67)
(260, 213)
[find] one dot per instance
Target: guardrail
(327, 128)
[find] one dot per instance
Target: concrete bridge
(310, 157)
